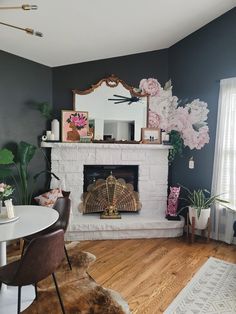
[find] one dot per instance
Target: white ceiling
(83, 30)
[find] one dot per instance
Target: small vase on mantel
(0, 207)
(55, 127)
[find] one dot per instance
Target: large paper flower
(150, 86)
(188, 121)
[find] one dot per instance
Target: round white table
(32, 219)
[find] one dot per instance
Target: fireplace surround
(68, 161)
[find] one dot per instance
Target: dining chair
(41, 258)
(63, 207)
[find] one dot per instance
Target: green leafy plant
(177, 144)
(44, 108)
(16, 167)
(200, 199)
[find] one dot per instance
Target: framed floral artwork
(151, 136)
(74, 124)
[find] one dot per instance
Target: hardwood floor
(149, 273)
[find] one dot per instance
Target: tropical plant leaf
(5, 172)
(44, 108)
(6, 156)
(26, 152)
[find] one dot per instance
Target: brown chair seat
(41, 258)
(63, 207)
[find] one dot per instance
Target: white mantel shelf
(104, 145)
(68, 161)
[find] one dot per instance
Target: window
(224, 175)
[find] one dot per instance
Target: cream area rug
(212, 290)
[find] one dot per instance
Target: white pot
(201, 221)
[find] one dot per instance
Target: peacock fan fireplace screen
(109, 197)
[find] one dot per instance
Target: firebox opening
(127, 172)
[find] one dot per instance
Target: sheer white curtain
(224, 173)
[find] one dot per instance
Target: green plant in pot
(16, 168)
(199, 204)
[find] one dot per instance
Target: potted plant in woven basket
(199, 205)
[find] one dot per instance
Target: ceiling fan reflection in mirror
(121, 99)
(25, 7)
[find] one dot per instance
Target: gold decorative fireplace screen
(110, 197)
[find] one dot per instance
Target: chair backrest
(62, 206)
(42, 256)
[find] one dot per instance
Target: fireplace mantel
(67, 162)
(105, 145)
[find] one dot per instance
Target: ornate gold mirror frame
(106, 116)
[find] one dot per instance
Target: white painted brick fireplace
(67, 162)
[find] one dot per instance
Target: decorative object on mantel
(55, 127)
(109, 197)
(187, 125)
(46, 111)
(115, 142)
(74, 125)
(151, 136)
(121, 120)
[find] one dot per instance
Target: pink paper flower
(189, 120)
(150, 86)
(153, 120)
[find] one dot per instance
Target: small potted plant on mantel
(199, 205)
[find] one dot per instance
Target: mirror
(113, 120)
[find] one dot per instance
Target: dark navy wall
(130, 68)
(196, 66)
(22, 81)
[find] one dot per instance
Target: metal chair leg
(23, 249)
(19, 300)
(67, 257)
(36, 291)
(58, 293)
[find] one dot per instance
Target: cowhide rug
(80, 293)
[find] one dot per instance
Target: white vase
(10, 208)
(55, 127)
(202, 220)
(0, 207)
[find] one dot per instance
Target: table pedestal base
(8, 299)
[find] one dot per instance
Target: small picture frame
(151, 136)
(74, 125)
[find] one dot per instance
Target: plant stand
(192, 226)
